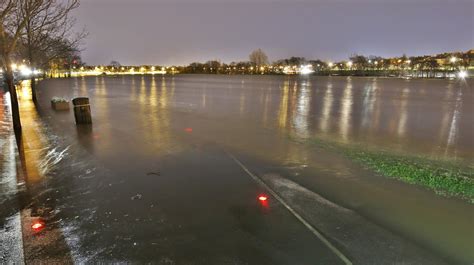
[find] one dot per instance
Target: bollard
(82, 110)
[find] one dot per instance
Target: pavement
(11, 242)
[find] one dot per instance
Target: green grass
(444, 177)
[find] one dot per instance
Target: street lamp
(453, 59)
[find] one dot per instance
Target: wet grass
(443, 179)
(446, 178)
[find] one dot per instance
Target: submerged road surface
(172, 167)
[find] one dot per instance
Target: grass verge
(444, 177)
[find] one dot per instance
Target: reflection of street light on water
(462, 74)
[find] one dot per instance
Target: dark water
(430, 118)
(157, 140)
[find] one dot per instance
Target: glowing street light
(330, 64)
(306, 69)
(349, 64)
(453, 59)
(462, 74)
(24, 70)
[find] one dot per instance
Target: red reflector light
(37, 225)
(262, 198)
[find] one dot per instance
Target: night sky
(177, 32)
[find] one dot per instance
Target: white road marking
(318, 234)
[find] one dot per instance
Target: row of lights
(24, 70)
(262, 68)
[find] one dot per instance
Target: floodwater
(154, 177)
(430, 118)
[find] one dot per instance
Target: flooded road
(153, 179)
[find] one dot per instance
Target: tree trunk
(13, 97)
(33, 80)
(31, 60)
(33, 88)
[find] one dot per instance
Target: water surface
(182, 126)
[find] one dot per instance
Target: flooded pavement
(11, 243)
(153, 179)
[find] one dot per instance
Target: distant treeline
(441, 65)
(421, 66)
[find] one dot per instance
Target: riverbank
(387, 74)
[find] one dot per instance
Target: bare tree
(10, 32)
(258, 58)
(63, 56)
(360, 61)
(36, 25)
(47, 24)
(115, 64)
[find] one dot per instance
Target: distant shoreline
(470, 75)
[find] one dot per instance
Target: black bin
(82, 110)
